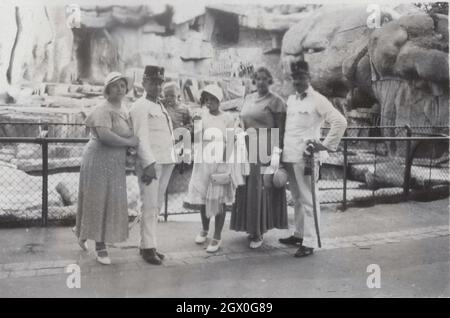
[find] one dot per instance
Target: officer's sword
(310, 149)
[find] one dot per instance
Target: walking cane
(136, 220)
(310, 149)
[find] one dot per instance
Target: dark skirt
(257, 209)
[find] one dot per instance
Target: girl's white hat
(214, 90)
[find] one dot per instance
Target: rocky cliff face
(35, 46)
(400, 64)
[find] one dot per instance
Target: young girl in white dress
(211, 185)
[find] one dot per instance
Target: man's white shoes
(201, 237)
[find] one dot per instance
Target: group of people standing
(257, 205)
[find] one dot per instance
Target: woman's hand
(149, 174)
(133, 141)
(196, 114)
(197, 117)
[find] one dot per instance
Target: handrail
(394, 138)
(409, 156)
(76, 140)
(349, 127)
(40, 140)
(41, 123)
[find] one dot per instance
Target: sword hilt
(309, 159)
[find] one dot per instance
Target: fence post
(408, 163)
(344, 190)
(166, 199)
(44, 182)
(375, 148)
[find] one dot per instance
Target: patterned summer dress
(102, 213)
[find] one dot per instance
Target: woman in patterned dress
(102, 213)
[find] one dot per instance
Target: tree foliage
(434, 7)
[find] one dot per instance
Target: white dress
(201, 174)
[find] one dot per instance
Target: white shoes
(201, 237)
(256, 244)
(103, 258)
(213, 246)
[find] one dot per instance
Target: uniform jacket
(153, 126)
(305, 116)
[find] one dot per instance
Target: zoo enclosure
(367, 167)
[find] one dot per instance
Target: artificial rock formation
(35, 46)
(402, 65)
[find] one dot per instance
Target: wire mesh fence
(397, 174)
(43, 129)
(21, 193)
(39, 176)
(38, 179)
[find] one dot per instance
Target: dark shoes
(160, 255)
(151, 256)
(291, 240)
(304, 251)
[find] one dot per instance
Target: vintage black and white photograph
(222, 149)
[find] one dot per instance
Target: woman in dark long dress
(260, 207)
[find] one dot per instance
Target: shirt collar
(303, 95)
(157, 101)
(300, 96)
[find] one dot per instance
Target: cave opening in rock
(82, 46)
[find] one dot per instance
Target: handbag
(221, 178)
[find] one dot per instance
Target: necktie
(300, 96)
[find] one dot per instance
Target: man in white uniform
(306, 111)
(155, 158)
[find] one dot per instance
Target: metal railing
(412, 145)
(35, 168)
(53, 156)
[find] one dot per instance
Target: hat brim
(128, 80)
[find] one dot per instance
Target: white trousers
(300, 187)
(152, 199)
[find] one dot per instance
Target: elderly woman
(102, 213)
(259, 206)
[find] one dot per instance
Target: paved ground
(409, 242)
